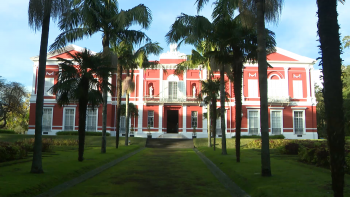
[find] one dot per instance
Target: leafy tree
(79, 82)
(19, 121)
(320, 112)
(40, 12)
(346, 42)
(88, 17)
(12, 101)
(330, 46)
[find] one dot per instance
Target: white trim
(249, 110)
(299, 108)
(280, 121)
(274, 75)
(160, 118)
(184, 121)
(304, 121)
(276, 107)
(253, 107)
(64, 117)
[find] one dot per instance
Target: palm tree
(254, 13)
(39, 15)
(78, 82)
(328, 31)
(88, 17)
(130, 60)
(209, 94)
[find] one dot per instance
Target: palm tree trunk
(265, 151)
(238, 99)
(83, 101)
(208, 117)
(127, 120)
(222, 103)
(213, 119)
(37, 161)
(328, 31)
(105, 44)
(119, 102)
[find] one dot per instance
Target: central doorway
(173, 121)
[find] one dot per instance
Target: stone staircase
(169, 143)
(172, 136)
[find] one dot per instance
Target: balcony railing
(178, 99)
(278, 99)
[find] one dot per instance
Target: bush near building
(87, 133)
(309, 151)
(7, 131)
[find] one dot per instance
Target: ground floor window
(194, 119)
(91, 120)
(69, 119)
(299, 122)
(253, 122)
(150, 119)
(47, 119)
(122, 125)
(276, 122)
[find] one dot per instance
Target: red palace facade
(167, 103)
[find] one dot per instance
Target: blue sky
(296, 31)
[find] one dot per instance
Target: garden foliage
(87, 133)
(309, 151)
(7, 131)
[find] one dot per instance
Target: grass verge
(59, 166)
(290, 177)
(154, 173)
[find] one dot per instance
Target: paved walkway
(153, 172)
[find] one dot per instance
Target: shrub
(258, 136)
(273, 144)
(7, 131)
(291, 148)
(9, 152)
(87, 133)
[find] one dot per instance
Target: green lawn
(290, 177)
(89, 140)
(59, 166)
(154, 173)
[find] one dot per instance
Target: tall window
(172, 90)
(47, 119)
(299, 122)
(194, 119)
(48, 84)
(297, 89)
(253, 88)
(150, 119)
(69, 119)
(276, 122)
(91, 120)
(254, 125)
(122, 125)
(275, 88)
(218, 126)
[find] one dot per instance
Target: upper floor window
(194, 119)
(275, 86)
(49, 82)
(297, 89)
(253, 88)
(172, 90)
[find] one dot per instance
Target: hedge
(258, 136)
(87, 133)
(9, 152)
(7, 131)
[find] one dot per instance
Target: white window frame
(96, 111)
(253, 94)
(304, 121)
(295, 94)
(248, 111)
(192, 118)
(152, 126)
(279, 91)
(173, 91)
(46, 86)
(64, 118)
(51, 117)
(281, 122)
